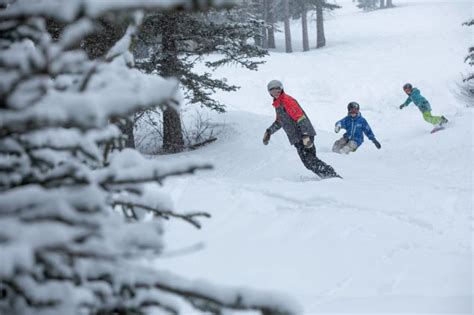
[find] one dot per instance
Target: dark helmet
(353, 106)
(407, 86)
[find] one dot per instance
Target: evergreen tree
(65, 247)
(177, 41)
(303, 4)
(367, 5)
(286, 13)
(270, 22)
(320, 6)
(264, 11)
(469, 80)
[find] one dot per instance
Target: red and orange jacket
(292, 118)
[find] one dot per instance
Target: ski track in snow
(395, 235)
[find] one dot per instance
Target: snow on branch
(70, 10)
(133, 92)
(469, 58)
(209, 297)
(74, 33)
(66, 247)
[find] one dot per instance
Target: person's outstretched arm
(370, 134)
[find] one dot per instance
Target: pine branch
(208, 302)
(469, 77)
(61, 234)
(20, 292)
(155, 176)
(469, 23)
(188, 217)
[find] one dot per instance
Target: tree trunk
(172, 132)
(304, 23)
(389, 4)
(264, 5)
(320, 38)
(382, 4)
(271, 23)
(127, 129)
(286, 9)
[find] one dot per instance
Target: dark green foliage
(469, 80)
(175, 42)
(368, 5)
(470, 56)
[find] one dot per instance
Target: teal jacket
(421, 102)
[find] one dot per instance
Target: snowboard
(437, 128)
(309, 178)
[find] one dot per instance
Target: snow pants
(344, 145)
(434, 120)
(312, 163)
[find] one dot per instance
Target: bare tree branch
(188, 217)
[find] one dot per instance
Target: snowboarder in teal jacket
(356, 126)
(423, 105)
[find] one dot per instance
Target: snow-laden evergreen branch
(470, 56)
(69, 11)
(66, 247)
(469, 23)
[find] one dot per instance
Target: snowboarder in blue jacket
(423, 105)
(355, 126)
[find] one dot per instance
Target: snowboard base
(438, 128)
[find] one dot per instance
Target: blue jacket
(417, 99)
(355, 127)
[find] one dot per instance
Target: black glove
(266, 137)
(307, 142)
(377, 144)
(401, 106)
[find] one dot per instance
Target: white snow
(73, 33)
(68, 10)
(116, 91)
(395, 235)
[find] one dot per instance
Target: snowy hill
(395, 235)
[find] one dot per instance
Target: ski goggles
(354, 111)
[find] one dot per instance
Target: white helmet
(274, 84)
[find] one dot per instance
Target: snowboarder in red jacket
(298, 128)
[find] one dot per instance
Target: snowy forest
(134, 180)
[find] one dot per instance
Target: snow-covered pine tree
(321, 6)
(469, 80)
(177, 41)
(368, 5)
(65, 246)
(264, 12)
(271, 7)
(108, 30)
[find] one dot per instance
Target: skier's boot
(443, 122)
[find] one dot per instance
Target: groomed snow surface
(395, 235)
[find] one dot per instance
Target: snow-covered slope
(395, 235)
